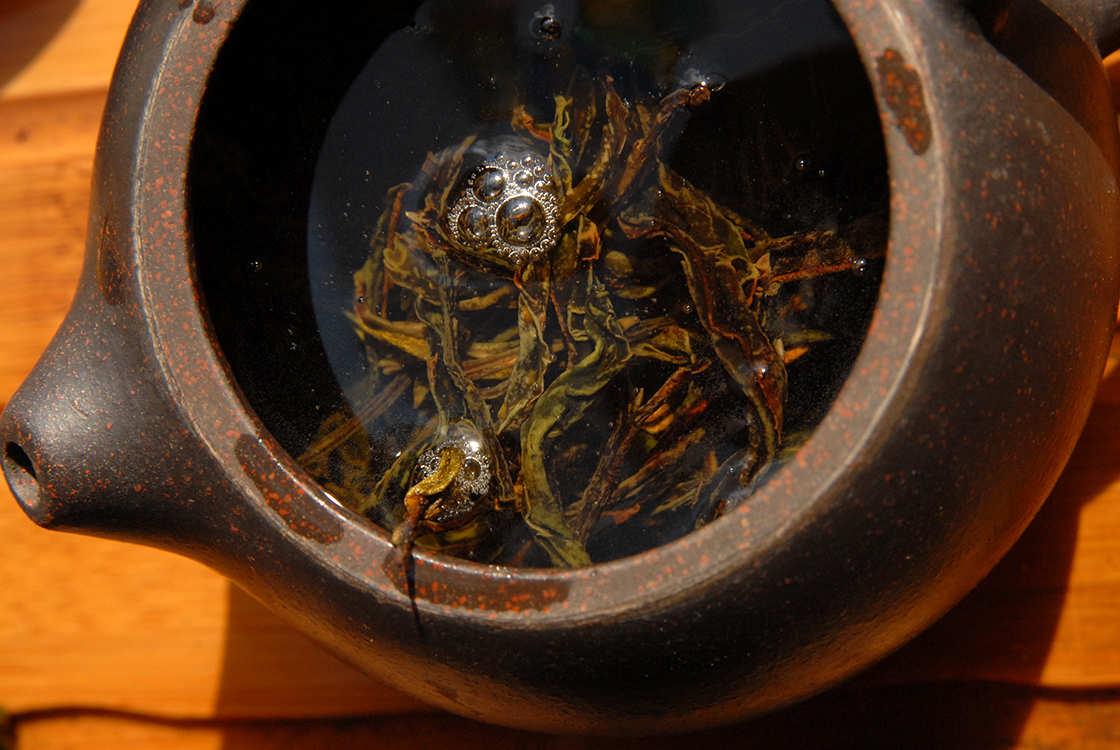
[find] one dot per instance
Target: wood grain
(90, 627)
(937, 717)
(60, 46)
(46, 148)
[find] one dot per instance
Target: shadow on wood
(917, 717)
(26, 26)
(271, 671)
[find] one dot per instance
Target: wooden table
(110, 645)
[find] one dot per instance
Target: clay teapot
(171, 409)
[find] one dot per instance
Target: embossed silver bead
(474, 476)
(507, 208)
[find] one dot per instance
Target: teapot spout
(91, 444)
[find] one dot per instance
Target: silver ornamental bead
(508, 207)
(474, 477)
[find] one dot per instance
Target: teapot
(171, 408)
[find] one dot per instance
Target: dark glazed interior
(272, 93)
(267, 113)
